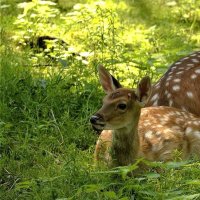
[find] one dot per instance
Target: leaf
(152, 175)
(111, 195)
(148, 192)
(175, 165)
(23, 185)
(193, 182)
(92, 188)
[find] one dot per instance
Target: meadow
(49, 88)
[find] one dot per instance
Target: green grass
(46, 141)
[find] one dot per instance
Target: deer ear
(144, 90)
(108, 82)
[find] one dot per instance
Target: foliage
(49, 92)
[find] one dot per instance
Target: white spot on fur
(154, 97)
(146, 124)
(159, 126)
(195, 60)
(170, 102)
(190, 94)
(193, 76)
(166, 92)
(196, 123)
(197, 71)
(178, 113)
(149, 134)
(165, 118)
(171, 113)
(176, 88)
(178, 63)
(183, 108)
(155, 103)
(190, 65)
(177, 80)
(173, 68)
(169, 95)
(193, 55)
(188, 130)
(181, 72)
(185, 58)
(169, 78)
(167, 83)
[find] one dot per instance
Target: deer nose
(94, 119)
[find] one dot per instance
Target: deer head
(120, 106)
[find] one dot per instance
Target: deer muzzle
(97, 122)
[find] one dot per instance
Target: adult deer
(180, 86)
(130, 131)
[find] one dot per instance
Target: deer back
(180, 86)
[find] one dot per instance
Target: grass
(46, 141)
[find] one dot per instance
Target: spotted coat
(180, 86)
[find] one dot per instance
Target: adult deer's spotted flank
(180, 86)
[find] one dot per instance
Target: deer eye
(122, 106)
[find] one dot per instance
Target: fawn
(180, 86)
(130, 131)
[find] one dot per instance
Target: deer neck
(125, 146)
